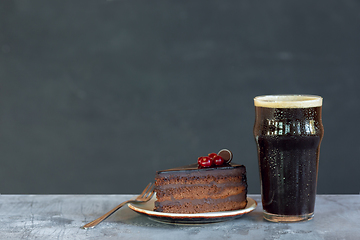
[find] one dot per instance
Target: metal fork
(145, 196)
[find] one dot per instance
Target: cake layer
(202, 182)
(200, 201)
(201, 205)
(191, 178)
(199, 192)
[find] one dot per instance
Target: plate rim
(250, 206)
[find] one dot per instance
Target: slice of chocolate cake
(196, 189)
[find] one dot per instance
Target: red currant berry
(212, 155)
(206, 162)
(218, 161)
(199, 160)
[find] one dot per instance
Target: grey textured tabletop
(60, 217)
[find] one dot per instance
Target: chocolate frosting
(195, 167)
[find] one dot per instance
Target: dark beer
(288, 138)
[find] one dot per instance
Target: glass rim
(288, 101)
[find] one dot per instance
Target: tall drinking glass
(288, 131)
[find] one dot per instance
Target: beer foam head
(288, 101)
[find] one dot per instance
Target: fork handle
(103, 217)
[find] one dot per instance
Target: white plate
(195, 218)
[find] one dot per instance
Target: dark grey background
(95, 96)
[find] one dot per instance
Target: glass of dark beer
(288, 131)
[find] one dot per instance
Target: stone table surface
(60, 217)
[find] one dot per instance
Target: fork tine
(150, 195)
(150, 191)
(145, 190)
